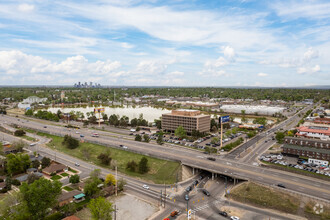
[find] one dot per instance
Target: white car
(145, 186)
(234, 218)
(125, 147)
(31, 145)
(77, 132)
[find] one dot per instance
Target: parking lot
(296, 163)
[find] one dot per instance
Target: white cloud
(315, 69)
(310, 54)
(25, 7)
(151, 67)
(175, 73)
(127, 45)
(262, 74)
(24, 65)
(229, 53)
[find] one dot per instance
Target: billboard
(98, 110)
(224, 119)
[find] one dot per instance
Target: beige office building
(189, 119)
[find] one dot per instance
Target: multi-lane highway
(303, 184)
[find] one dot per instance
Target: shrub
(19, 133)
(16, 182)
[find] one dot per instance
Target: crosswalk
(215, 202)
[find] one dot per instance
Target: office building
(189, 119)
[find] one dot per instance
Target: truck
(174, 213)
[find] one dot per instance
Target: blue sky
(165, 43)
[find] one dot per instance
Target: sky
(165, 43)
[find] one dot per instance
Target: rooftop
(316, 150)
(314, 129)
(186, 113)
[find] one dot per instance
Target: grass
(309, 211)
(29, 138)
(56, 177)
(72, 170)
(160, 170)
(67, 188)
(64, 174)
(265, 197)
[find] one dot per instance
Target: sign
(98, 110)
(189, 214)
(224, 119)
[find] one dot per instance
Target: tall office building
(189, 119)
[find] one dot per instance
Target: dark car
(189, 188)
(281, 185)
(195, 182)
(223, 214)
(211, 158)
(206, 192)
(186, 197)
(45, 126)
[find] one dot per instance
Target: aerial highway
(294, 182)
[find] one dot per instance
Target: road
(303, 184)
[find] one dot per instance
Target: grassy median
(315, 210)
(265, 197)
(160, 170)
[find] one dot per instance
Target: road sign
(189, 214)
(224, 119)
(98, 110)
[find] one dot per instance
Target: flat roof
(79, 196)
(317, 150)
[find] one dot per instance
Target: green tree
(121, 184)
(40, 195)
(214, 140)
(158, 123)
(180, 132)
(17, 163)
(18, 145)
(146, 138)
(29, 112)
(160, 138)
(35, 164)
(104, 158)
(101, 209)
(70, 142)
(12, 207)
(131, 166)
(45, 162)
(74, 179)
(91, 188)
(138, 137)
(19, 133)
(143, 165)
(280, 137)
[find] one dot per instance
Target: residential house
(55, 168)
(68, 197)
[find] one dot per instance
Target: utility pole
(161, 198)
(115, 212)
(116, 181)
(165, 194)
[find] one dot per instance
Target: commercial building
(189, 119)
(304, 147)
(318, 132)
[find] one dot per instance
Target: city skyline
(161, 43)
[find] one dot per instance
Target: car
(234, 218)
(81, 135)
(145, 186)
(77, 132)
(125, 147)
(195, 182)
(281, 185)
(130, 133)
(95, 135)
(77, 164)
(186, 197)
(45, 126)
(188, 189)
(224, 214)
(206, 192)
(211, 158)
(31, 145)
(174, 213)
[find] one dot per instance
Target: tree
(158, 123)
(32, 177)
(160, 138)
(214, 140)
(92, 119)
(146, 138)
(29, 112)
(244, 119)
(70, 142)
(91, 188)
(74, 179)
(131, 166)
(101, 209)
(35, 164)
(214, 125)
(95, 173)
(110, 179)
(40, 195)
(12, 207)
(243, 112)
(138, 137)
(143, 165)
(180, 132)
(280, 137)
(19, 133)
(45, 162)
(121, 184)
(104, 158)
(18, 145)
(86, 151)
(134, 122)
(105, 117)
(17, 163)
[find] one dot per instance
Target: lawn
(29, 138)
(64, 174)
(160, 170)
(67, 188)
(72, 170)
(265, 197)
(56, 177)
